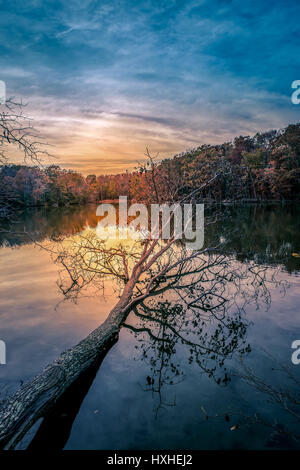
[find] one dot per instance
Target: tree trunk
(55, 429)
(33, 400)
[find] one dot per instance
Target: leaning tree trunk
(33, 400)
(55, 429)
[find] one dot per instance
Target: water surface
(120, 411)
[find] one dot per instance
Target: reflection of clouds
(116, 232)
(285, 312)
(35, 332)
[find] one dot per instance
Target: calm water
(120, 411)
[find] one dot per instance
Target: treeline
(263, 167)
(33, 186)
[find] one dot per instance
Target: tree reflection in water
(203, 315)
(197, 307)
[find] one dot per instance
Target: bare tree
(285, 396)
(17, 136)
(16, 130)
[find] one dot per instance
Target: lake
(122, 409)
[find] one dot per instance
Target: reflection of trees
(87, 261)
(206, 284)
(198, 306)
(201, 286)
(204, 319)
(171, 327)
(263, 234)
(283, 391)
(46, 223)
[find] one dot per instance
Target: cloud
(105, 80)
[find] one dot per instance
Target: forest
(265, 167)
(164, 295)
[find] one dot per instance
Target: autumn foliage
(263, 167)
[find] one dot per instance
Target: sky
(104, 80)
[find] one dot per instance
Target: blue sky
(106, 79)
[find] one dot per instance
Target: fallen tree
(34, 399)
(86, 262)
(148, 268)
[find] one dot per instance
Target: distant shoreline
(108, 201)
